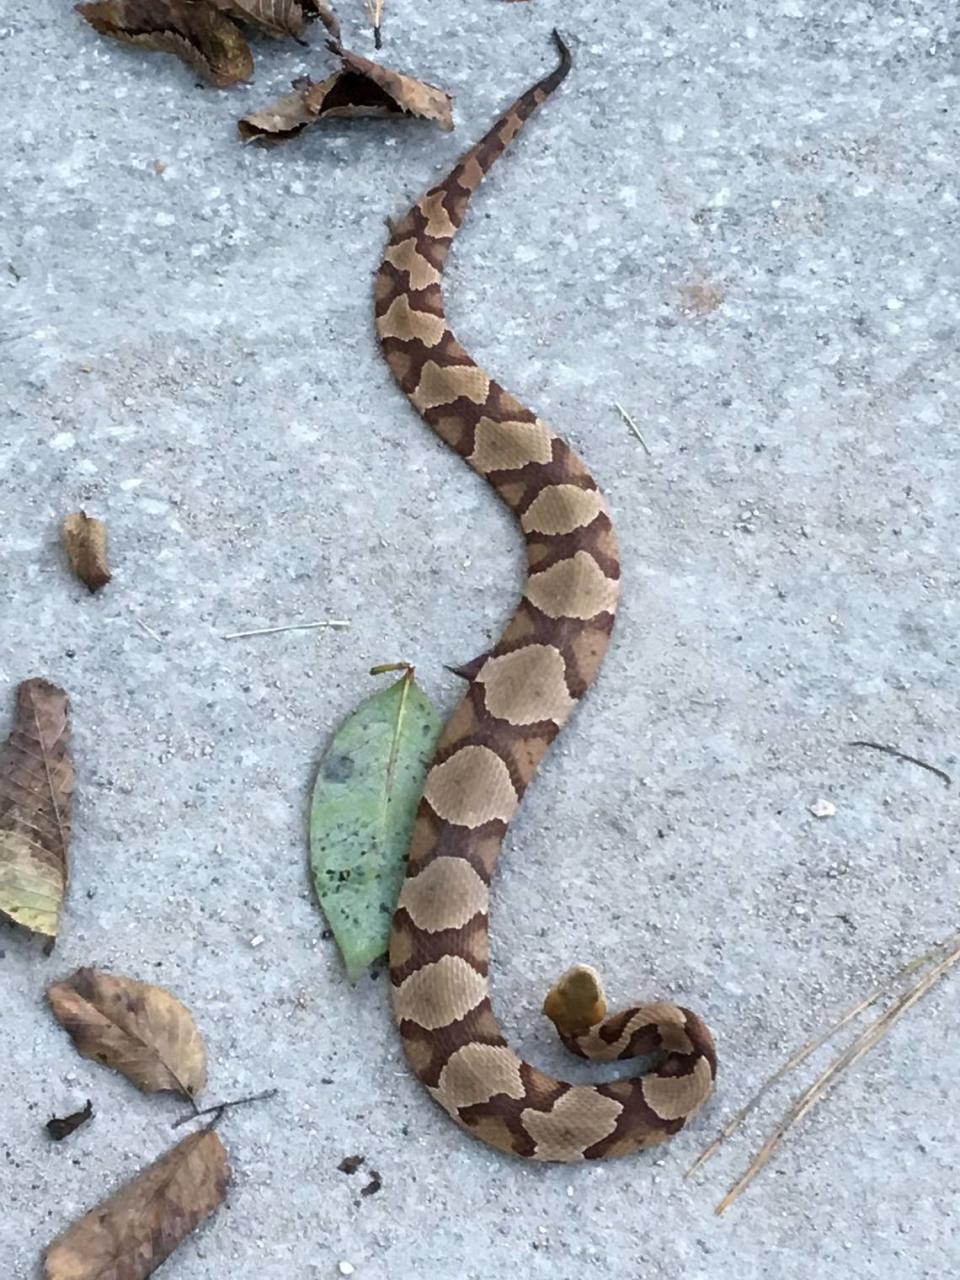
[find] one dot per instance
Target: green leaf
(364, 801)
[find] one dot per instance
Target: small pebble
(346, 1268)
(258, 941)
(823, 809)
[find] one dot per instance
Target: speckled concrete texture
(740, 222)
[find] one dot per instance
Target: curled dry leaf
(359, 88)
(327, 16)
(129, 1235)
(283, 119)
(138, 1029)
(60, 1127)
(276, 17)
(85, 539)
(281, 17)
(36, 797)
(197, 33)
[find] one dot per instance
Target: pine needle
(374, 9)
(291, 626)
(149, 630)
(867, 1040)
(632, 425)
(812, 1046)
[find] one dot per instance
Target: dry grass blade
(632, 425)
(36, 795)
(867, 1040)
(129, 1235)
(810, 1047)
(149, 630)
(140, 1030)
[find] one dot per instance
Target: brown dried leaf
(200, 36)
(359, 88)
(129, 1235)
(320, 9)
(282, 120)
(276, 17)
(60, 1127)
(281, 17)
(138, 1029)
(36, 795)
(399, 94)
(86, 541)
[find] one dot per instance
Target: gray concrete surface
(189, 354)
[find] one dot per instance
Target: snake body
(520, 694)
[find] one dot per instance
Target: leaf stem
(220, 1107)
(407, 681)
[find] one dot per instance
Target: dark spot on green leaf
(338, 769)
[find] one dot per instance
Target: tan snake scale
(519, 696)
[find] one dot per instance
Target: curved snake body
(519, 696)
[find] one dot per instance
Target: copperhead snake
(520, 694)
